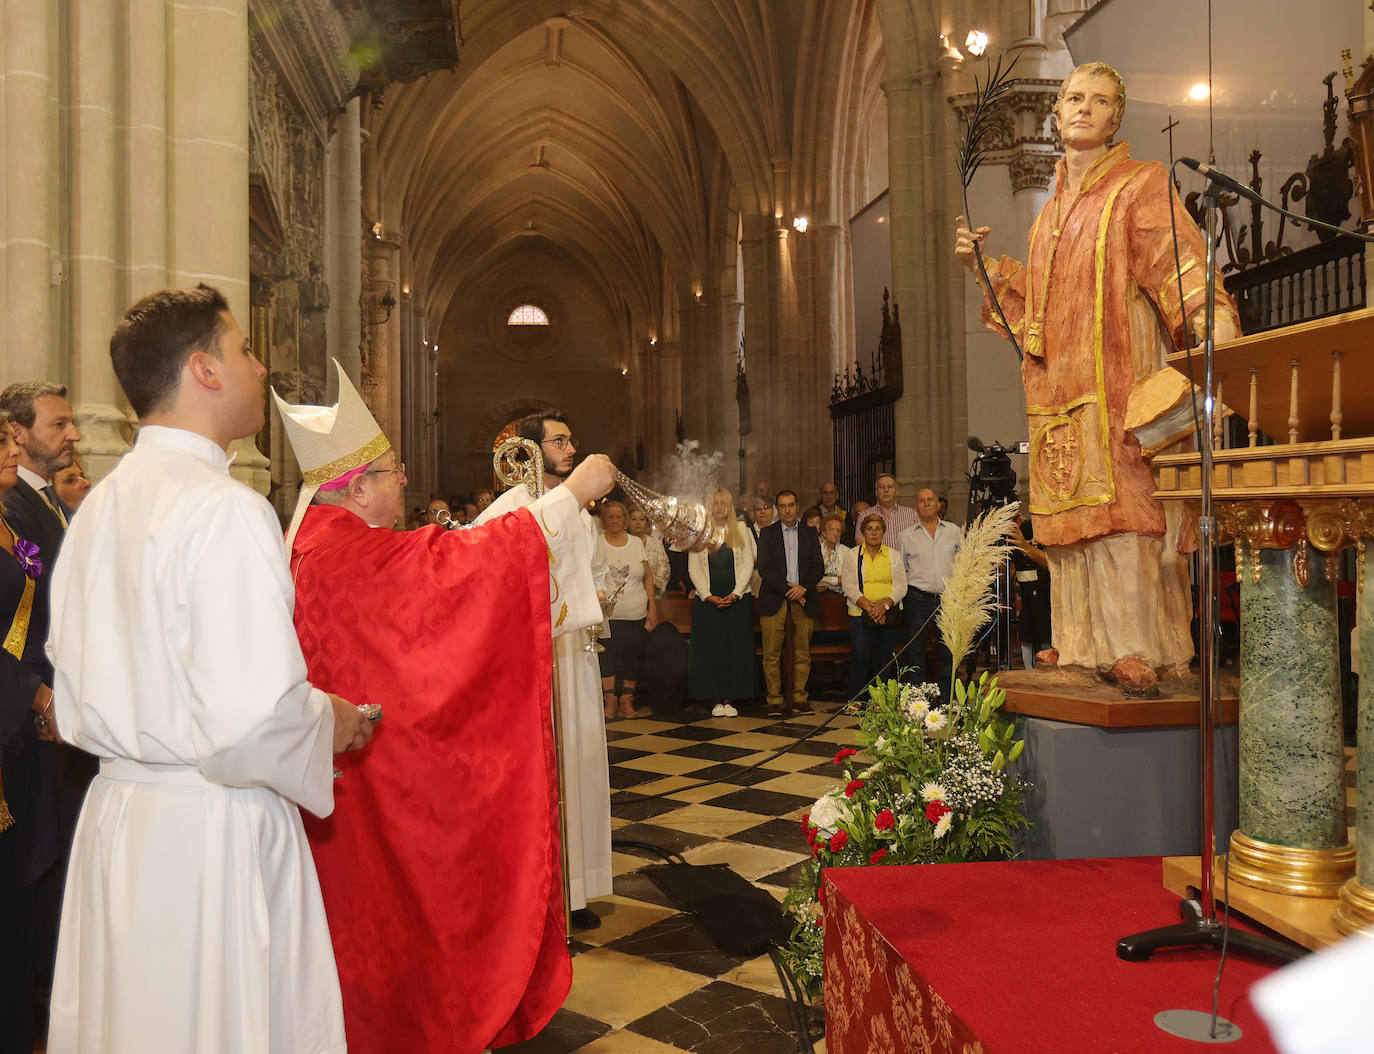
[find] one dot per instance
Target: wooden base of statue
(1084, 698)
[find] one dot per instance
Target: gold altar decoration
(1312, 489)
(1287, 869)
(1355, 912)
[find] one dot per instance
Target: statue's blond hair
(1095, 69)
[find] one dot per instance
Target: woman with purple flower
(28, 829)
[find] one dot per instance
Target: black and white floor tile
(647, 980)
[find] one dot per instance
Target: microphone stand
(1201, 928)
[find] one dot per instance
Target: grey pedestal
(1120, 792)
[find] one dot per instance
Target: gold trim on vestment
(1063, 493)
(1035, 319)
(18, 634)
(6, 817)
(370, 451)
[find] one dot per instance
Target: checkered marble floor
(647, 981)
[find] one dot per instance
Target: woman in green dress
(720, 658)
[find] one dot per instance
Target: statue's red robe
(440, 864)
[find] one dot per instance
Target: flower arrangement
(929, 783)
(934, 790)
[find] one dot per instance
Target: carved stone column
(1292, 836)
(29, 176)
(381, 348)
(343, 246)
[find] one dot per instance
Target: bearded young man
(1096, 309)
(586, 770)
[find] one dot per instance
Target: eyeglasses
(399, 468)
(561, 442)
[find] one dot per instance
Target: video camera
(991, 479)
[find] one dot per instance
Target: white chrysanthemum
(933, 792)
(828, 813)
(935, 721)
(942, 828)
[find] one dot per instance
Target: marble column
(1356, 909)
(1292, 836)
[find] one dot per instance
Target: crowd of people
(885, 563)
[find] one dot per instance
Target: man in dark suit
(45, 429)
(790, 566)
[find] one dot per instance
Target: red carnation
(847, 752)
(838, 841)
(811, 833)
(852, 786)
(820, 894)
(806, 820)
(936, 809)
(884, 821)
(877, 856)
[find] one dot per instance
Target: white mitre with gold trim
(331, 443)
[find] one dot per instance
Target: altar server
(192, 918)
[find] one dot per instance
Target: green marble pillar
(1290, 708)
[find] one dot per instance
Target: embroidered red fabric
(440, 866)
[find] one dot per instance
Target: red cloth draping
(440, 865)
(1020, 956)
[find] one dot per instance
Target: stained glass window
(527, 315)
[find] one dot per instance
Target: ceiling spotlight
(377, 230)
(801, 223)
(1199, 91)
(624, 371)
(653, 342)
(976, 42)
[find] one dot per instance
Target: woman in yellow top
(873, 578)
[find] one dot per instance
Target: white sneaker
(719, 710)
(728, 711)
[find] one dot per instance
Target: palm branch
(979, 123)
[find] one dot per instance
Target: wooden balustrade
(1329, 448)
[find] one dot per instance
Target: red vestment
(440, 866)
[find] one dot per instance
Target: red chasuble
(440, 864)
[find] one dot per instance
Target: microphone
(976, 445)
(1221, 179)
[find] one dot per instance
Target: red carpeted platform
(1020, 957)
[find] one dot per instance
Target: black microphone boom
(976, 445)
(1222, 180)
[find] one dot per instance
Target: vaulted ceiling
(624, 134)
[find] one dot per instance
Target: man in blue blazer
(790, 566)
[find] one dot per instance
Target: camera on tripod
(991, 479)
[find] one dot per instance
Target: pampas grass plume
(970, 598)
